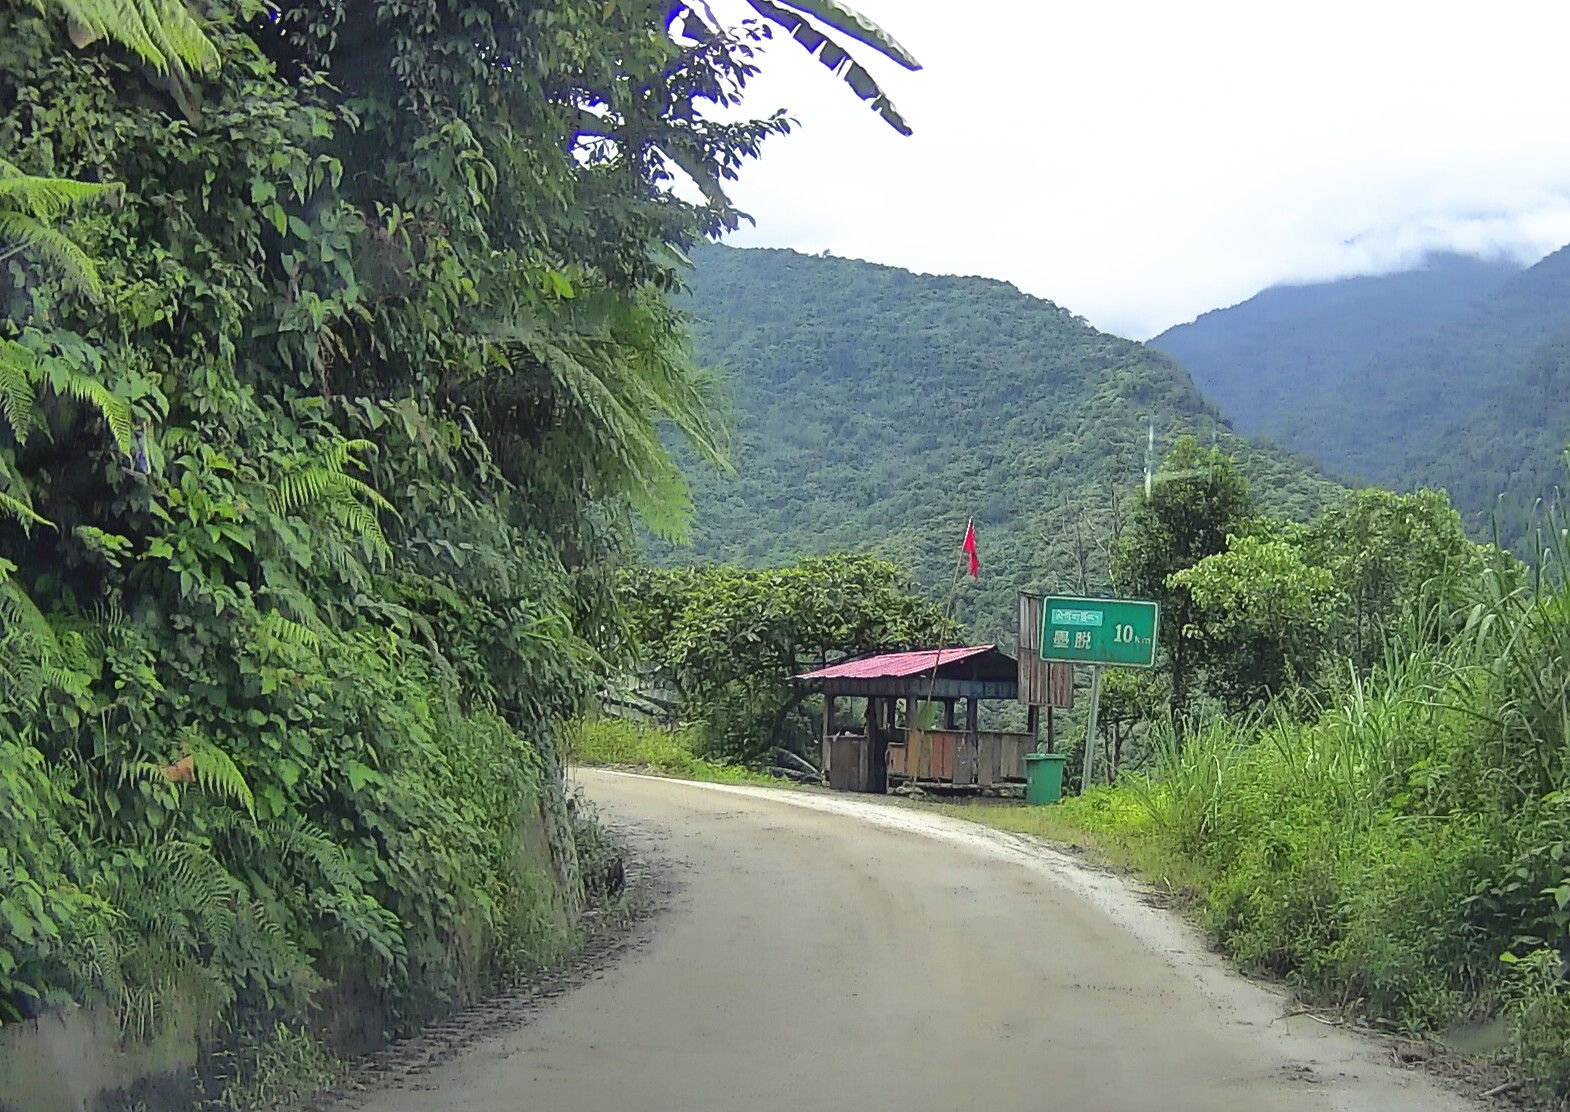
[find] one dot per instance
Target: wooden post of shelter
(828, 731)
(1041, 683)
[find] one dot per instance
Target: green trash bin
(1043, 777)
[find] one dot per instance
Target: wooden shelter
(868, 755)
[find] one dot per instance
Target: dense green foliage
(316, 452)
(654, 747)
(877, 409)
(1293, 348)
(1397, 853)
(1186, 519)
(1393, 839)
(1255, 607)
(1452, 377)
(728, 640)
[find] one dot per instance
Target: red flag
(969, 548)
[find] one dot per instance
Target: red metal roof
(894, 665)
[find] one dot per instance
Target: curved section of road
(830, 952)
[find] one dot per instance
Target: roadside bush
(673, 752)
(272, 1067)
(727, 640)
(1405, 954)
(1386, 853)
(619, 741)
(1104, 810)
(1540, 1020)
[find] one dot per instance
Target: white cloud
(1142, 162)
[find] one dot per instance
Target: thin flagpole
(937, 657)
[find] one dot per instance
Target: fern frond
(349, 502)
(163, 33)
(49, 199)
(26, 233)
(20, 614)
(18, 369)
(197, 881)
(215, 772)
(15, 507)
(96, 963)
(309, 844)
(340, 455)
(29, 649)
(141, 772)
(366, 492)
(85, 388)
(289, 595)
(289, 632)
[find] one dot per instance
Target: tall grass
(1403, 849)
(651, 748)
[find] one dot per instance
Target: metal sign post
(1090, 726)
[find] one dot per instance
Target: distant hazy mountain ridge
(1456, 375)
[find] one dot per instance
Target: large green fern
(163, 33)
(30, 208)
(324, 486)
(620, 372)
(215, 771)
(23, 371)
(31, 658)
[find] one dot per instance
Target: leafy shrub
(274, 1067)
(674, 752)
(728, 640)
(1540, 1019)
(1387, 852)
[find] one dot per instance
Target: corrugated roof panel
(894, 665)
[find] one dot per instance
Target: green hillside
(1263, 360)
(1456, 376)
(1508, 366)
(876, 409)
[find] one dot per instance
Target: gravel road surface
(837, 952)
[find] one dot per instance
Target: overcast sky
(1140, 163)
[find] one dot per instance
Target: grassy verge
(618, 742)
(1382, 859)
(1108, 827)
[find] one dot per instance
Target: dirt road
(830, 952)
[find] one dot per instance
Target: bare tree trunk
(791, 760)
(1117, 534)
(779, 716)
(1081, 549)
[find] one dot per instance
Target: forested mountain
(1260, 360)
(1452, 376)
(877, 409)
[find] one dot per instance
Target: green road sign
(1116, 631)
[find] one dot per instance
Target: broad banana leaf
(835, 57)
(857, 26)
